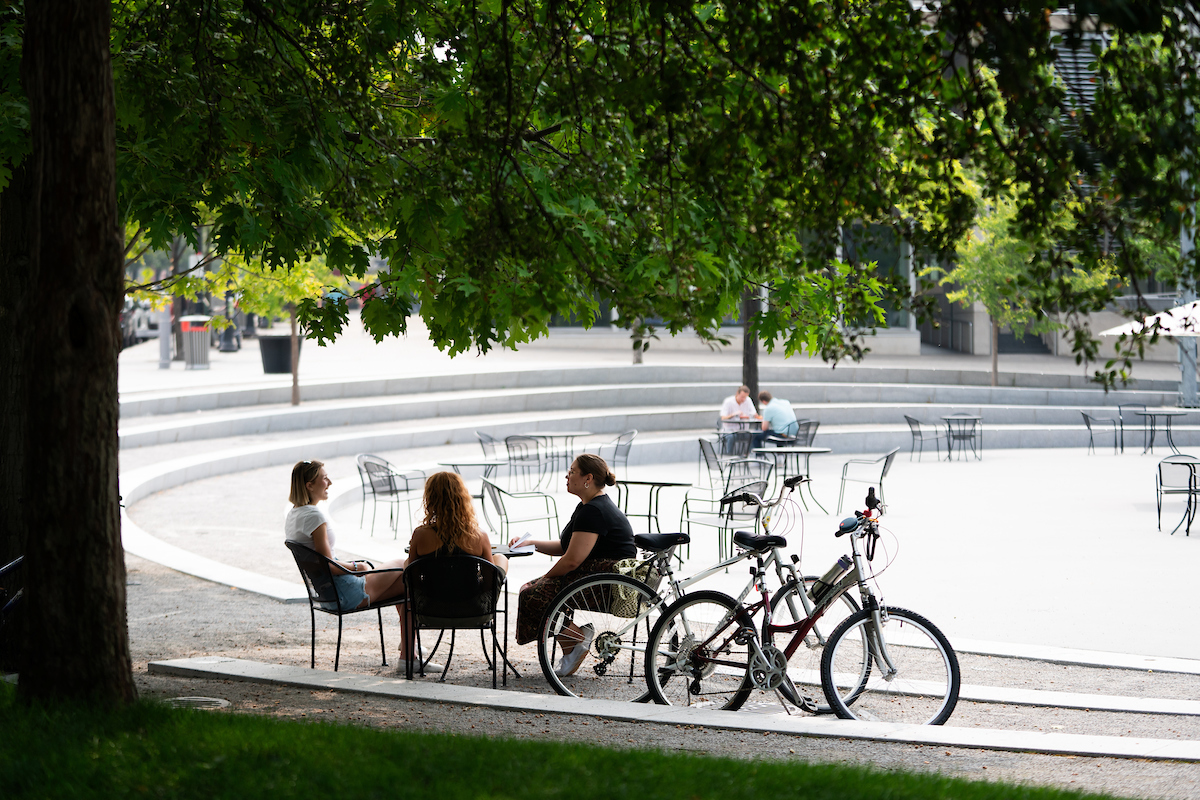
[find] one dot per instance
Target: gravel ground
(177, 616)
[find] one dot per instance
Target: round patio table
(1151, 416)
(964, 429)
(653, 490)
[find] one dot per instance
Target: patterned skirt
(532, 603)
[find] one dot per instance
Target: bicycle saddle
(749, 541)
(657, 542)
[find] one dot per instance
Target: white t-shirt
(731, 407)
(302, 521)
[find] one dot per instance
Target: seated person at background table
(596, 538)
(449, 529)
(309, 526)
(777, 416)
(738, 406)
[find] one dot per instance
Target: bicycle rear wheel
(804, 666)
(924, 688)
(618, 613)
(699, 655)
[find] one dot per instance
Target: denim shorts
(351, 589)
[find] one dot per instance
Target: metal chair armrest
(376, 571)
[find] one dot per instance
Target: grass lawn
(150, 750)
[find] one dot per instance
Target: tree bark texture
(295, 358)
(750, 342)
(16, 205)
(995, 351)
(77, 645)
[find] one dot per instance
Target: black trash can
(276, 353)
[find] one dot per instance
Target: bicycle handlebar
(744, 497)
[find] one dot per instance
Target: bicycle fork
(876, 643)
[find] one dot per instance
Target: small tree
(275, 292)
(990, 271)
(995, 270)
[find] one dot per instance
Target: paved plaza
(1045, 556)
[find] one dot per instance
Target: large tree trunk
(77, 643)
(16, 205)
(750, 342)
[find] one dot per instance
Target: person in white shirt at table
(777, 417)
(738, 406)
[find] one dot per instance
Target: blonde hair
(448, 510)
(304, 473)
(597, 467)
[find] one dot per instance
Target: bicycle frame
(800, 629)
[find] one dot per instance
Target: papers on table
(523, 545)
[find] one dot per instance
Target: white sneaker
(431, 666)
(573, 658)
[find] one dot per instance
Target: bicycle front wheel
(923, 688)
(611, 615)
(698, 653)
(804, 665)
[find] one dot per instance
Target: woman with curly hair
(449, 527)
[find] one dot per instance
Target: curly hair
(448, 510)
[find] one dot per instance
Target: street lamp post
(229, 335)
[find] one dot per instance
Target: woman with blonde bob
(308, 525)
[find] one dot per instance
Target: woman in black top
(596, 538)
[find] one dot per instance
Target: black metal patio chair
(323, 596)
(454, 593)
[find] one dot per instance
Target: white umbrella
(1178, 322)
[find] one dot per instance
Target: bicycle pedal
(808, 704)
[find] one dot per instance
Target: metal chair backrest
(1177, 472)
(453, 591)
(1132, 407)
(318, 578)
(494, 494)
(887, 462)
(489, 444)
(806, 431)
(523, 448)
(964, 427)
(737, 443)
(381, 475)
(362, 475)
(716, 474)
(748, 470)
(9, 604)
(754, 487)
(621, 446)
(913, 425)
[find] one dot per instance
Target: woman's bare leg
(386, 585)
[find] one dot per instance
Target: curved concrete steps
(721, 378)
